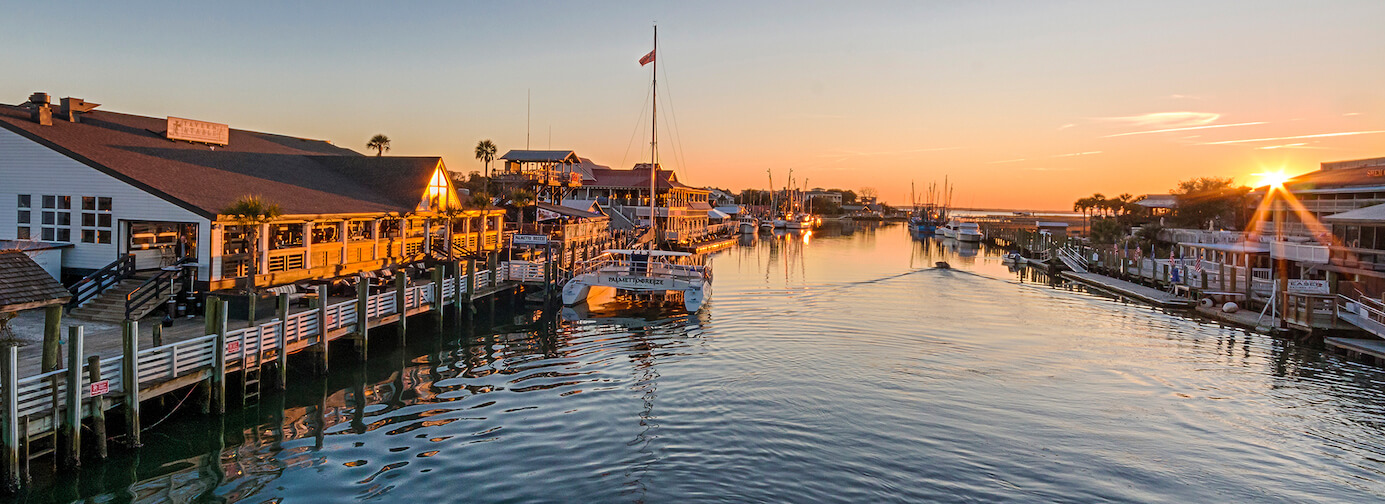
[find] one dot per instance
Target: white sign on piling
(100, 388)
(1298, 286)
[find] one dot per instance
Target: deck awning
(542, 156)
(1368, 215)
(1243, 247)
(568, 211)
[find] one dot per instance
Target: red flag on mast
(647, 59)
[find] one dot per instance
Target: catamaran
(656, 275)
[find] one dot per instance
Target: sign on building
(1308, 287)
(197, 131)
(524, 239)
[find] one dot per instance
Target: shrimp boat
(657, 274)
(749, 224)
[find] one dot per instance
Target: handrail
(94, 284)
(151, 289)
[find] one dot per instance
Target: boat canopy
(654, 253)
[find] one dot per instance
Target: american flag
(647, 59)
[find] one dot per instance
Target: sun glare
(1274, 179)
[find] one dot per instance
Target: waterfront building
(819, 193)
(550, 174)
(134, 194)
(680, 210)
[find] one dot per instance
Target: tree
(848, 197)
(485, 152)
(251, 211)
(1106, 230)
(867, 193)
(380, 143)
(521, 199)
(1210, 202)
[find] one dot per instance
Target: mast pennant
(648, 58)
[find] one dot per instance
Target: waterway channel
(836, 367)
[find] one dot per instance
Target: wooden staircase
(109, 306)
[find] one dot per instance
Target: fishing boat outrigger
(661, 274)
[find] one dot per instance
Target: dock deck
(1372, 347)
(1129, 289)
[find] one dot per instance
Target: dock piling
(129, 367)
(9, 372)
(98, 407)
(281, 357)
(72, 424)
(362, 318)
(218, 383)
(401, 289)
(323, 343)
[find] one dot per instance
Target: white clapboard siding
(27, 167)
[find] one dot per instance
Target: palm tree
(521, 199)
(380, 143)
(250, 211)
(485, 152)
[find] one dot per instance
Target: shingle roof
(302, 176)
(25, 285)
(541, 156)
(636, 178)
(1344, 177)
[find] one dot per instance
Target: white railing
(1317, 254)
(36, 393)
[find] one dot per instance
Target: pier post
(470, 280)
(362, 317)
(129, 379)
(401, 289)
(323, 342)
(219, 358)
(52, 332)
(98, 407)
(1221, 276)
(72, 425)
(281, 361)
(458, 284)
(9, 372)
(250, 307)
(436, 309)
(158, 336)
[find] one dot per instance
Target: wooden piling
(129, 368)
(323, 344)
(72, 424)
(218, 380)
(98, 407)
(9, 372)
(52, 333)
(470, 280)
(281, 357)
(401, 287)
(362, 318)
(458, 284)
(158, 336)
(436, 308)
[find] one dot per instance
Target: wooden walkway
(1372, 347)
(1129, 289)
(38, 405)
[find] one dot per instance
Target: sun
(1273, 179)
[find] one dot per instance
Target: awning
(717, 214)
(700, 205)
(1369, 215)
(567, 212)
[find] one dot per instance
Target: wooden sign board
(97, 389)
(524, 239)
(1308, 287)
(198, 131)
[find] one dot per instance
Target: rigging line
(639, 123)
(677, 133)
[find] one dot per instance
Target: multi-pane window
(92, 222)
(24, 217)
(96, 219)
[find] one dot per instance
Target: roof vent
(73, 108)
(40, 111)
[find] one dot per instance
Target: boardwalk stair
(109, 306)
(1365, 313)
(1072, 259)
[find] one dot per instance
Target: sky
(1023, 104)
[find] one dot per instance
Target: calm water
(833, 368)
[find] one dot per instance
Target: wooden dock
(1374, 348)
(1129, 289)
(51, 408)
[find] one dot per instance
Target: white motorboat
(651, 272)
(798, 221)
(749, 224)
(968, 232)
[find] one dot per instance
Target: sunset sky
(1022, 104)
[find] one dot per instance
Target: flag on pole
(647, 59)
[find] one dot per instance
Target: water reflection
(840, 367)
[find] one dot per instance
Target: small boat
(968, 232)
(748, 224)
(1011, 258)
(658, 273)
(942, 265)
(799, 221)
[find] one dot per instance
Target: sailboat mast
(654, 142)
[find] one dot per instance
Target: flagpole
(654, 144)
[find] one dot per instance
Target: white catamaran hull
(595, 288)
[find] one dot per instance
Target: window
(103, 204)
(103, 220)
(23, 233)
(64, 218)
(49, 234)
(88, 203)
(103, 236)
(24, 216)
(88, 236)
(26, 201)
(64, 202)
(64, 235)
(89, 219)
(49, 218)
(50, 201)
